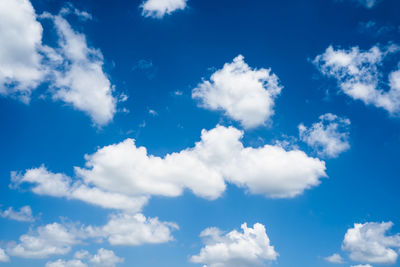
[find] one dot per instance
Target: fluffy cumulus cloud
(103, 258)
(335, 258)
(361, 265)
(82, 82)
(248, 248)
(3, 256)
(45, 241)
(59, 238)
(23, 215)
(358, 74)
(242, 93)
(21, 69)
(124, 176)
(73, 70)
(134, 229)
(369, 243)
(329, 137)
(160, 8)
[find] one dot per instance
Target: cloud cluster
(103, 258)
(358, 75)
(369, 243)
(250, 248)
(368, 3)
(124, 176)
(160, 8)
(59, 238)
(329, 137)
(45, 241)
(73, 70)
(242, 93)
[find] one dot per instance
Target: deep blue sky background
(363, 182)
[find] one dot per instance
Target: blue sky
(199, 133)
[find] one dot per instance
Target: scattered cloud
(250, 248)
(23, 215)
(335, 258)
(45, 241)
(358, 75)
(153, 112)
(134, 230)
(159, 8)
(121, 229)
(82, 82)
(361, 265)
(242, 93)
(3, 256)
(329, 137)
(369, 243)
(103, 258)
(73, 70)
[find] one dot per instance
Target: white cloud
(369, 243)
(23, 215)
(358, 75)
(335, 258)
(121, 229)
(60, 185)
(62, 263)
(244, 94)
(250, 248)
(361, 265)
(124, 176)
(3, 256)
(48, 240)
(21, 69)
(82, 82)
(329, 137)
(73, 70)
(103, 258)
(160, 8)
(134, 230)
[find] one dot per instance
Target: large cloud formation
(126, 176)
(359, 76)
(242, 93)
(250, 248)
(73, 70)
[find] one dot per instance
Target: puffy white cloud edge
(244, 94)
(248, 248)
(370, 243)
(329, 137)
(358, 74)
(159, 8)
